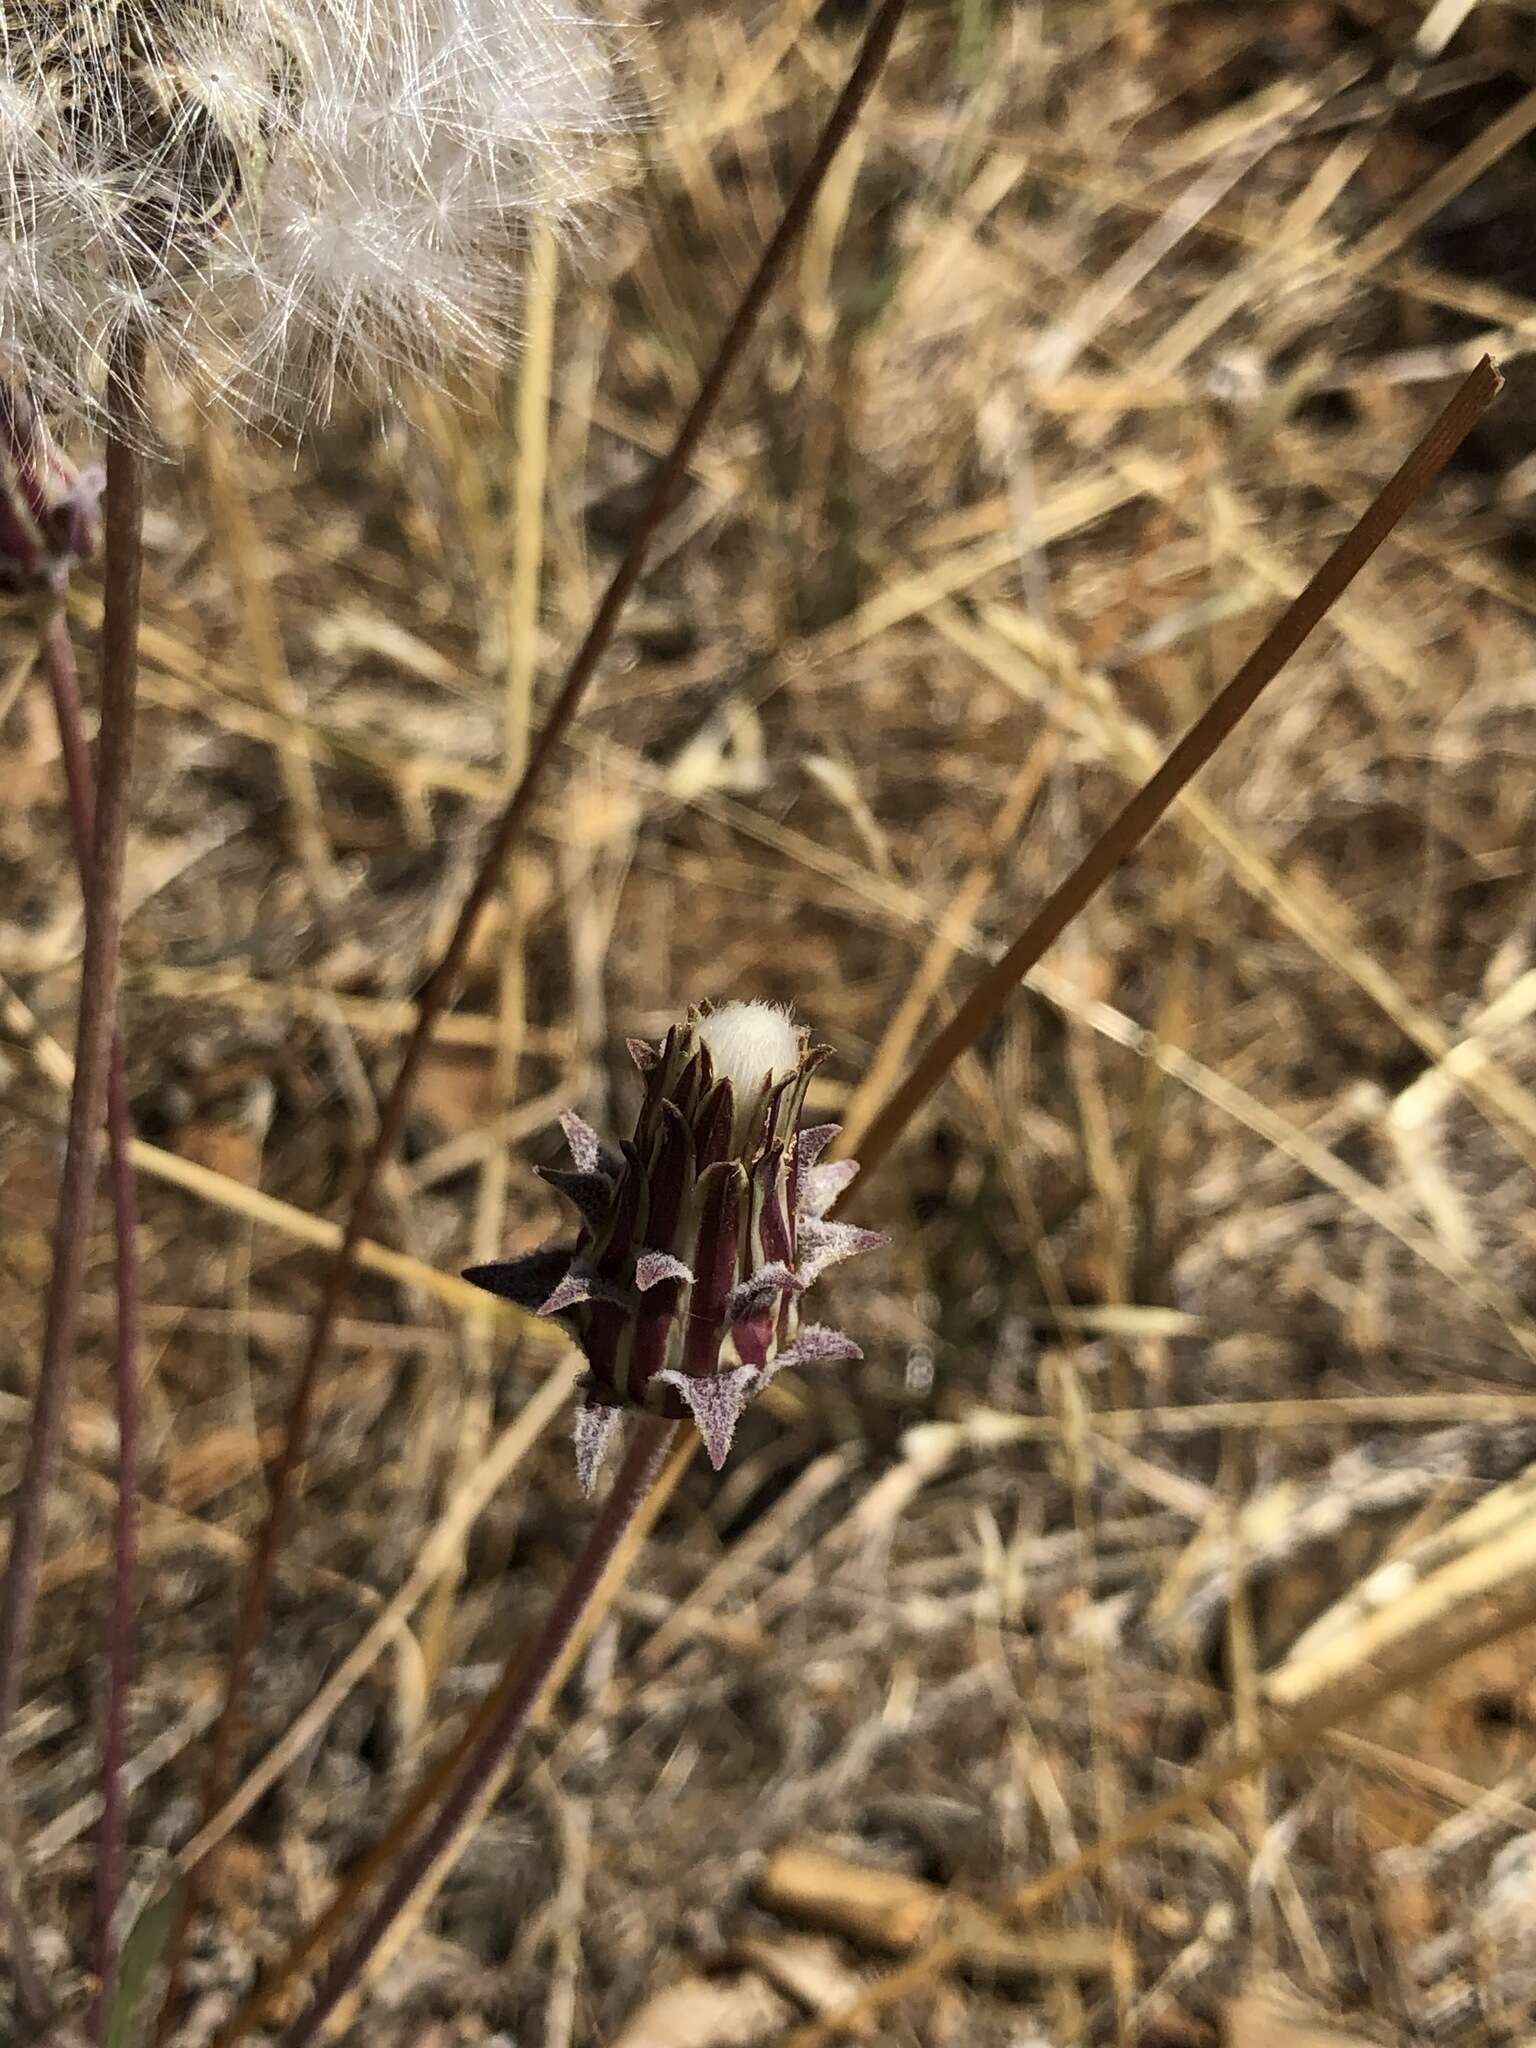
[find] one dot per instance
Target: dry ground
(1208, 1314)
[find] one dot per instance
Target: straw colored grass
(1147, 1618)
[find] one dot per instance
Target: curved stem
(516, 1700)
(441, 983)
(63, 682)
(98, 1004)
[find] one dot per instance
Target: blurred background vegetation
(1108, 323)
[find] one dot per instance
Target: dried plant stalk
(98, 1004)
(58, 656)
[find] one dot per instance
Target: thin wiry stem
(505, 834)
(98, 1005)
(513, 1704)
(63, 682)
(1115, 845)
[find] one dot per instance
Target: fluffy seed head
(287, 195)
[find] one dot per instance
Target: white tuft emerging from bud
(287, 196)
(751, 1043)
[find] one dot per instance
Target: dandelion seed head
(291, 196)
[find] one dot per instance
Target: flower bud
(699, 1236)
(50, 516)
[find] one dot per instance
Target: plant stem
(59, 660)
(98, 1004)
(382, 1855)
(1116, 844)
(643, 1461)
(441, 983)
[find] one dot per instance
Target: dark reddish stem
(1216, 724)
(647, 1452)
(440, 985)
(59, 659)
(94, 1029)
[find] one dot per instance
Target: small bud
(699, 1236)
(50, 515)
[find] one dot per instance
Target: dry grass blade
(1484, 1562)
(522, 621)
(235, 524)
(237, 1199)
(1467, 1627)
(1191, 754)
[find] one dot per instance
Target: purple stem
(93, 1035)
(59, 657)
(648, 1447)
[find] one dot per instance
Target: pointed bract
(828, 1244)
(594, 1433)
(527, 1281)
(590, 1193)
(651, 1268)
(821, 1187)
(574, 1289)
(716, 1401)
(812, 1142)
(756, 1293)
(644, 1056)
(816, 1344)
(586, 1146)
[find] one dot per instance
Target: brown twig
(98, 1004)
(63, 681)
(1136, 820)
(440, 984)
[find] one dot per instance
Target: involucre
(699, 1235)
